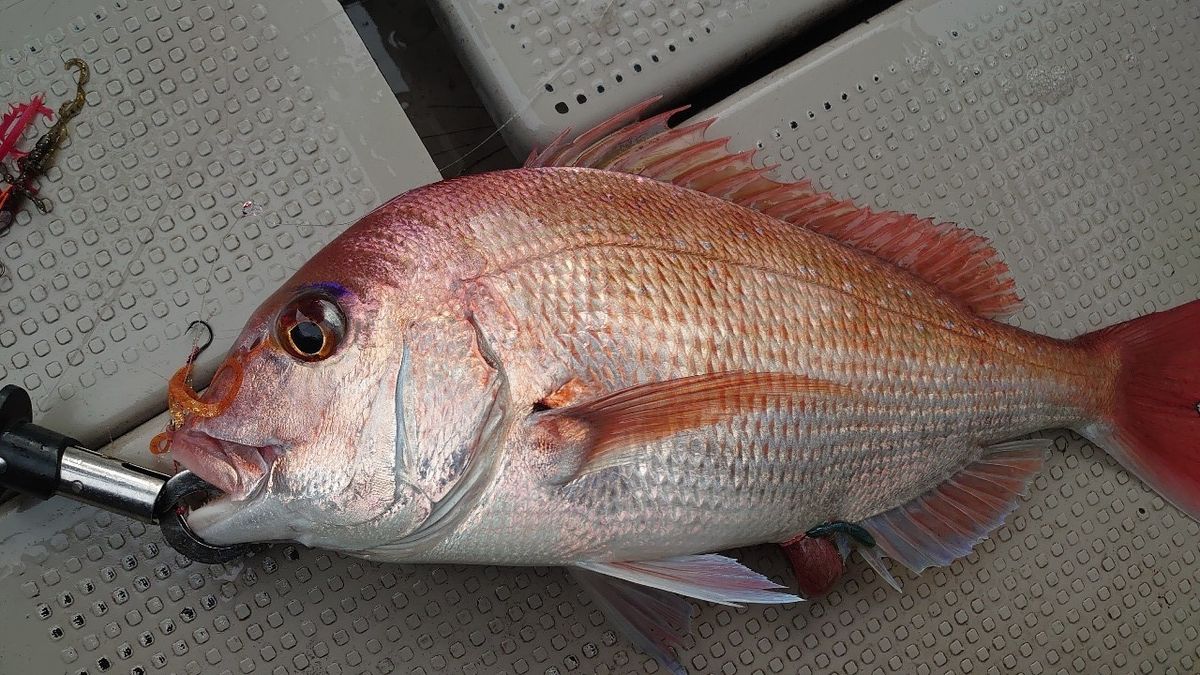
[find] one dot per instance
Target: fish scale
(931, 384)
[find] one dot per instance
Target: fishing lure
(183, 401)
(34, 164)
(16, 120)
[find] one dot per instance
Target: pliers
(42, 463)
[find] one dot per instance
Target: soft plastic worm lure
(31, 166)
(184, 402)
(16, 120)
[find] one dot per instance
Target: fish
(640, 350)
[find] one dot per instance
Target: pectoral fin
(710, 577)
(613, 429)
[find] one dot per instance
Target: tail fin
(1153, 426)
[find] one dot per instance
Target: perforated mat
(1064, 130)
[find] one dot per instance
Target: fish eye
(310, 327)
(307, 337)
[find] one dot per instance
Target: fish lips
(237, 469)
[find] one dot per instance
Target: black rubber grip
(31, 455)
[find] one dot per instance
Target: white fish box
(545, 65)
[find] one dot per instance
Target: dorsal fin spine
(673, 166)
(609, 149)
(707, 172)
(640, 158)
(730, 186)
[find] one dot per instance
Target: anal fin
(870, 555)
(945, 523)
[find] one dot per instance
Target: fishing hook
(201, 347)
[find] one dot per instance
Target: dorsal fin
(955, 259)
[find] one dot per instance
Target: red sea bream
(638, 351)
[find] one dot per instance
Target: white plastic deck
(1067, 131)
(545, 65)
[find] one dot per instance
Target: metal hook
(200, 348)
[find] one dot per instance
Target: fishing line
(529, 98)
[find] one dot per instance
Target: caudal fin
(1153, 424)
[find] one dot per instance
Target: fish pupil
(307, 337)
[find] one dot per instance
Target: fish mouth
(236, 469)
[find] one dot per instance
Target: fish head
(298, 426)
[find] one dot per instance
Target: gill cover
(451, 407)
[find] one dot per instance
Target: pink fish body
(624, 374)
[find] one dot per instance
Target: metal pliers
(42, 463)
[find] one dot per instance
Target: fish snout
(237, 469)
